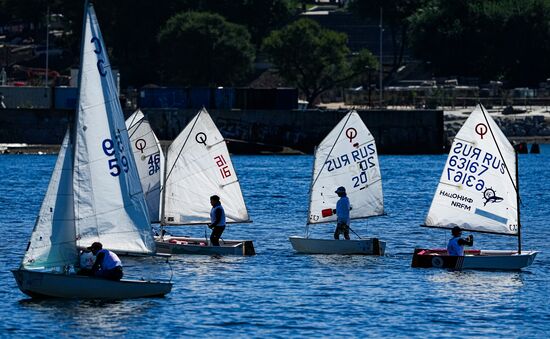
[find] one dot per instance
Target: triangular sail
(346, 157)
(53, 240)
(198, 166)
(149, 160)
(109, 202)
(477, 189)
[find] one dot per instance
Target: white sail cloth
(109, 202)
(149, 160)
(346, 157)
(52, 242)
(477, 189)
(198, 166)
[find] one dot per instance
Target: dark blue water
(280, 294)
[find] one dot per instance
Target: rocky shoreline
(528, 126)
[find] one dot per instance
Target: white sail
(149, 160)
(477, 188)
(53, 240)
(109, 202)
(198, 166)
(346, 157)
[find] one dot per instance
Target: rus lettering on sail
(365, 154)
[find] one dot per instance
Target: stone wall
(396, 131)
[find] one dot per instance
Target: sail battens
(346, 157)
(477, 189)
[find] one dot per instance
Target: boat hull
(370, 246)
(56, 285)
(200, 246)
(473, 259)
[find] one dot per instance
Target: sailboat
(94, 194)
(149, 159)
(346, 157)
(198, 166)
(478, 192)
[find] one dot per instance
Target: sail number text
(223, 166)
(116, 165)
(466, 172)
(468, 163)
(364, 157)
(154, 163)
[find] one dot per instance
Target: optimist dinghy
(94, 194)
(479, 192)
(346, 157)
(198, 166)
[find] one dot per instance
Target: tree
(494, 40)
(395, 15)
(259, 16)
(315, 59)
(204, 49)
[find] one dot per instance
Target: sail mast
(516, 184)
(163, 189)
(518, 202)
(310, 191)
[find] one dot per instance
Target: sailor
(456, 244)
(107, 264)
(342, 214)
(217, 220)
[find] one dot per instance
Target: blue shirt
(217, 215)
(454, 248)
(342, 210)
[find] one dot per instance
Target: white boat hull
(473, 259)
(370, 246)
(56, 285)
(201, 246)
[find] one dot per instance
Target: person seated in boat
(87, 260)
(456, 244)
(217, 220)
(107, 265)
(342, 214)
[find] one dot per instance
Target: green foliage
(395, 14)
(495, 40)
(314, 59)
(131, 27)
(259, 16)
(204, 49)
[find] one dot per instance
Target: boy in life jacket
(107, 265)
(342, 213)
(217, 220)
(456, 244)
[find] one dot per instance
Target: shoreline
(28, 149)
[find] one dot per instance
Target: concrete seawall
(396, 131)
